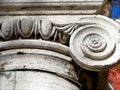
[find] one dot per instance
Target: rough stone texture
(37, 66)
(35, 49)
(35, 44)
(20, 44)
(31, 80)
(41, 62)
(7, 80)
(48, 7)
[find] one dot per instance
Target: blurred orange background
(114, 77)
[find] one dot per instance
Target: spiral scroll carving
(94, 40)
(94, 47)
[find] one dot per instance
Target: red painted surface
(114, 77)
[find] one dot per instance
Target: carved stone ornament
(94, 44)
(34, 28)
(6, 29)
(57, 47)
(95, 47)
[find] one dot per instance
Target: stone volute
(56, 45)
(49, 48)
(96, 46)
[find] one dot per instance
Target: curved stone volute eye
(94, 47)
(7, 29)
(25, 27)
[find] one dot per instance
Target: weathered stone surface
(25, 27)
(46, 64)
(46, 29)
(38, 60)
(31, 80)
(35, 44)
(49, 7)
(6, 29)
(7, 80)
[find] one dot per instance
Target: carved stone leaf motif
(63, 38)
(66, 31)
